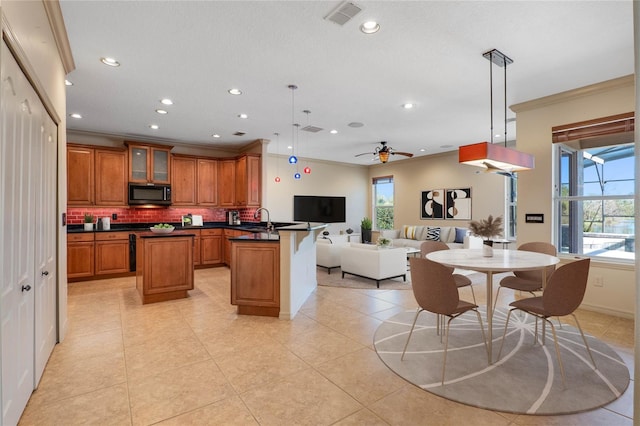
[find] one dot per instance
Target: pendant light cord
(505, 102)
(491, 90)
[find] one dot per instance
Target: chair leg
(555, 340)
(504, 335)
(585, 341)
(411, 332)
(446, 345)
(473, 294)
(484, 336)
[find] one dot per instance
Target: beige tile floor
(194, 361)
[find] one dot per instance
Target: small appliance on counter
(192, 220)
(233, 217)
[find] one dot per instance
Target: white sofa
(370, 261)
(328, 250)
(414, 236)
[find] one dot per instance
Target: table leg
(490, 315)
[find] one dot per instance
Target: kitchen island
(164, 266)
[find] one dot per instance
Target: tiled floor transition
(194, 361)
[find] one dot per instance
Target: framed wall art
(458, 204)
(432, 204)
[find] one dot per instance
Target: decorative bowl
(162, 230)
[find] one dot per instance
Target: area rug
(527, 378)
(351, 281)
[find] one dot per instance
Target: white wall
(535, 120)
(326, 178)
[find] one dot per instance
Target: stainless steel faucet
(269, 225)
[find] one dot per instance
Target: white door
(45, 244)
(17, 227)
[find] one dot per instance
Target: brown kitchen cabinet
(255, 277)
(196, 247)
(183, 180)
(248, 178)
(96, 176)
(149, 163)
(227, 183)
(80, 259)
(111, 177)
(207, 182)
(211, 246)
(80, 175)
(164, 266)
(111, 253)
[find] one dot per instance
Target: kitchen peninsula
(164, 266)
(274, 274)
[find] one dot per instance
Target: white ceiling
(426, 52)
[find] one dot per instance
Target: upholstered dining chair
(460, 280)
(435, 291)
(529, 281)
(561, 297)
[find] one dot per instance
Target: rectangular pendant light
(489, 156)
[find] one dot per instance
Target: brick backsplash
(75, 215)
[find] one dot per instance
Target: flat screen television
(310, 208)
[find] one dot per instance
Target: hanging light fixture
(307, 169)
(292, 158)
(277, 179)
(296, 147)
(485, 154)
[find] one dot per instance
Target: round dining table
(501, 261)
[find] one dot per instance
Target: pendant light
(277, 179)
(296, 147)
(292, 158)
(493, 157)
(307, 169)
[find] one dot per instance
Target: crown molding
(56, 21)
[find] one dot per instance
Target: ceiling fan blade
(406, 154)
(365, 153)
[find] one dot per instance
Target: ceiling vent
(343, 13)
(239, 134)
(312, 129)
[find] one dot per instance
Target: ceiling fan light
(384, 156)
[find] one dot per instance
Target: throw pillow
(460, 234)
(409, 232)
(433, 234)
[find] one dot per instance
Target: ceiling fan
(383, 151)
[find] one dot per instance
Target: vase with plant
(88, 222)
(365, 229)
(383, 242)
(486, 229)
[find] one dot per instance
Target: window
(383, 202)
(594, 200)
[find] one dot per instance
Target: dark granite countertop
(175, 233)
(255, 227)
(258, 236)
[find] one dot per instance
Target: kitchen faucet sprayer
(269, 225)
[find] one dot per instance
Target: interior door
(17, 221)
(45, 244)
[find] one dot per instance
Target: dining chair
(529, 281)
(460, 280)
(561, 297)
(435, 291)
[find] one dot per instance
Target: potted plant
(383, 242)
(365, 230)
(486, 229)
(88, 222)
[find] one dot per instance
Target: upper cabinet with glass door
(149, 163)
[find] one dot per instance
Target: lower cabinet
(255, 277)
(230, 233)
(80, 253)
(112, 253)
(211, 246)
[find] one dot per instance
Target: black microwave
(149, 193)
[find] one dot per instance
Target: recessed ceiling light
(289, 147)
(75, 115)
(161, 111)
(408, 106)
(446, 146)
(166, 101)
(68, 83)
(333, 132)
(497, 135)
(215, 135)
(370, 27)
(110, 61)
(243, 116)
(154, 126)
(235, 91)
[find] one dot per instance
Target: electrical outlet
(114, 216)
(598, 282)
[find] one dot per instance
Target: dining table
(501, 261)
